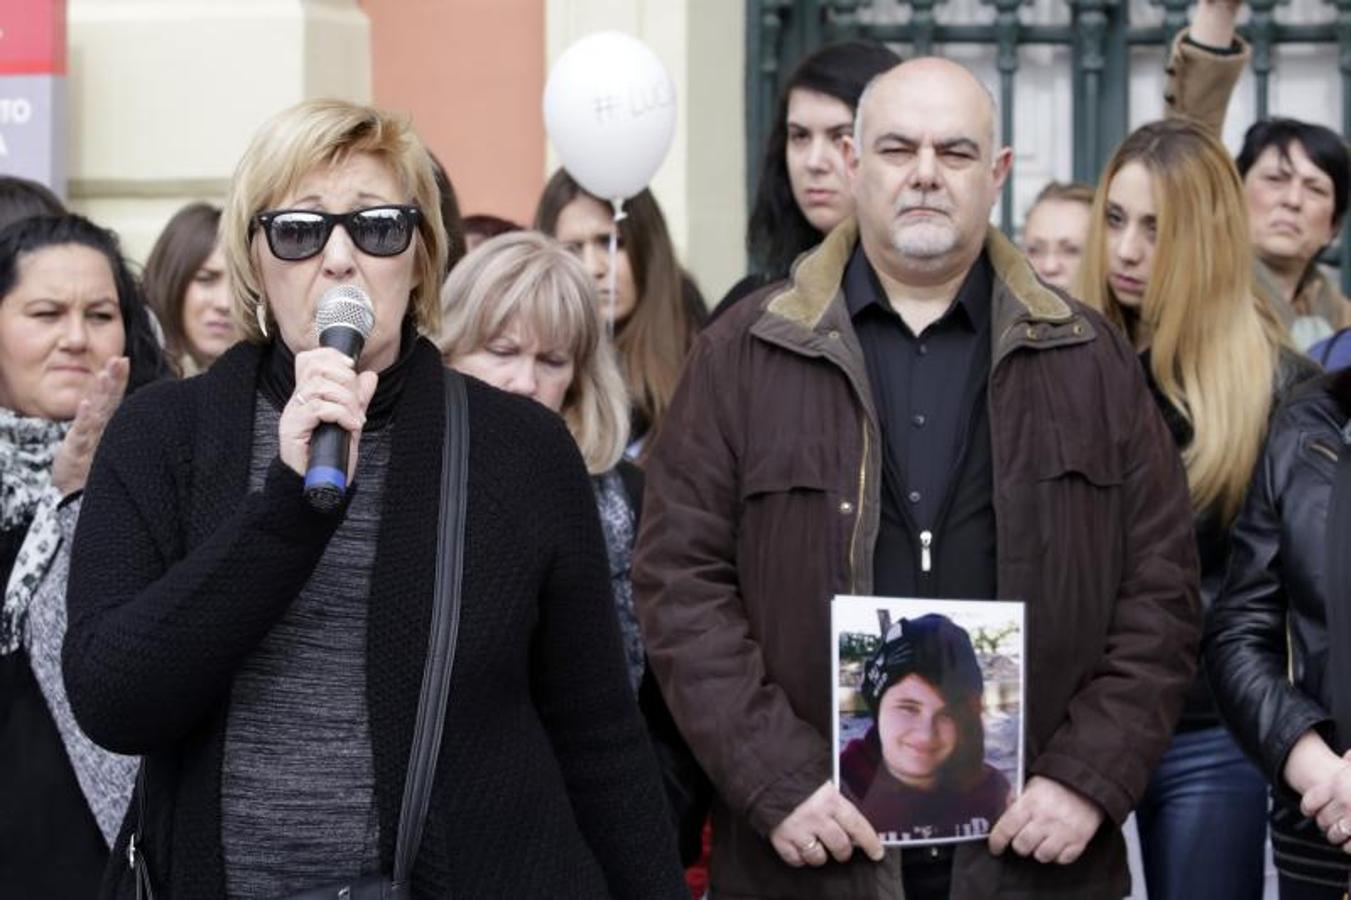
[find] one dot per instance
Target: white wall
(166, 94)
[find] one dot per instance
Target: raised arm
(1204, 64)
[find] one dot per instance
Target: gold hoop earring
(261, 311)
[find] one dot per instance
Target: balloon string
(619, 216)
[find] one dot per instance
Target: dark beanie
(932, 647)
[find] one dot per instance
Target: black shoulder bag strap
(445, 627)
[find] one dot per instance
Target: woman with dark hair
(451, 219)
(1295, 175)
(482, 227)
(920, 772)
(653, 308)
(21, 198)
(185, 285)
(801, 193)
(74, 336)
(1278, 639)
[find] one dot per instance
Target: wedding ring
(300, 399)
(811, 845)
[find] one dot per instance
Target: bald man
(914, 414)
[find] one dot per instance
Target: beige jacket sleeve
(1200, 81)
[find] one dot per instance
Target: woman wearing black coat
(266, 657)
(75, 336)
(1278, 638)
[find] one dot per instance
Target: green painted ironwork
(1100, 36)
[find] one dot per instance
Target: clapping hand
(70, 468)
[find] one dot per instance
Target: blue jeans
(1203, 821)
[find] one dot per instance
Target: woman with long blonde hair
(1168, 261)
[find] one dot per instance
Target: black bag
(431, 713)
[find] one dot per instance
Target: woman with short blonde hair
(266, 653)
(522, 313)
(1168, 260)
(528, 277)
(320, 135)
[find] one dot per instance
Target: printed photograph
(928, 714)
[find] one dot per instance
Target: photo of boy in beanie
(919, 774)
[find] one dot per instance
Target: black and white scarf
(27, 449)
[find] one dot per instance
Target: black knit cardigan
(546, 785)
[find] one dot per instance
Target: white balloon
(610, 108)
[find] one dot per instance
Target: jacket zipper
(858, 509)
(1320, 447)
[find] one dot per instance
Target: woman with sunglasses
(266, 657)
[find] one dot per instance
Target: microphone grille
(345, 305)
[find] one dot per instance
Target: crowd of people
(568, 631)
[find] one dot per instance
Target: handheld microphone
(344, 319)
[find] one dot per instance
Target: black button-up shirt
(929, 391)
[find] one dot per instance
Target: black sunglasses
(295, 234)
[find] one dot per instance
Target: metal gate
(1099, 36)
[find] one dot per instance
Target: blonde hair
(1063, 192)
(529, 278)
(1214, 346)
(313, 135)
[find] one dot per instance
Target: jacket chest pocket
(1077, 496)
(1080, 465)
(792, 467)
(793, 524)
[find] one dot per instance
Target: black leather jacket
(1277, 577)
(1266, 640)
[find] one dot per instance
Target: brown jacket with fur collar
(763, 499)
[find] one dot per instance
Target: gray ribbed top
(297, 784)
